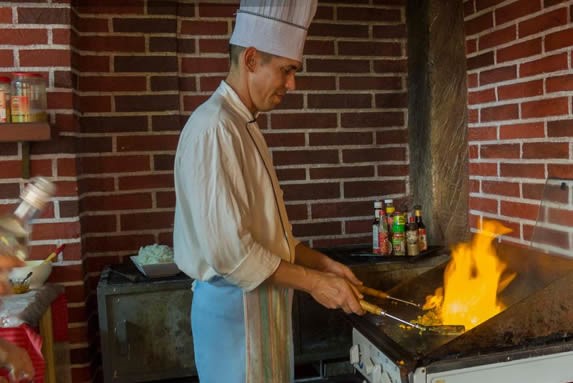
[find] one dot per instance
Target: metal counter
(144, 326)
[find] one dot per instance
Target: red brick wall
(122, 80)
(520, 106)
(35, 36)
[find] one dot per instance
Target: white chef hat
(278, 27)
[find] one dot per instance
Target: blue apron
(217, 322)
(230, 349)
(245, 337)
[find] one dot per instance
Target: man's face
(271, 80)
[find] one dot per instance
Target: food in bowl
(20, 287)
(155, 261)
(40, 272)
(153, 254)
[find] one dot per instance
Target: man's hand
(334, 292)
(17, 361)
(341, 270)
(332, 284)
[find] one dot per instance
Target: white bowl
(40, 273)
(156, 270)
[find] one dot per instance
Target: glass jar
(28, 101)
(4, 99)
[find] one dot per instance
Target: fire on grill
(472, 280)
(516, 303)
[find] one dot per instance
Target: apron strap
(268, 308)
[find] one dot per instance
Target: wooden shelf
(25, 131)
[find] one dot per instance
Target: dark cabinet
(319, 334)
(145, 327)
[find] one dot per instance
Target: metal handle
(373, 309)
(381, 294)
(372, 292)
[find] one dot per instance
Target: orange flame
(472, 280)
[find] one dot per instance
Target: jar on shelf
(28, 98)
(4, 99)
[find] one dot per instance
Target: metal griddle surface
(539, 313)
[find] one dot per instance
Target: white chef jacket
(230, 218)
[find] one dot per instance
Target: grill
(530, 341)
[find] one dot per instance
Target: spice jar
(4, 99)
(28, 99)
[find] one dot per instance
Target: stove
(530, 341)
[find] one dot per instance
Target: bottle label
(385, 245)
(422, 240)
(375, 239)
(20, 108)
(412, 236)
(399, 244)
(3, 107)
(398, 224)
(412, 242)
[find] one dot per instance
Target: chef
(232, 233)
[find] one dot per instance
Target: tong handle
(381, 294)
(370, 308)
(372, 292)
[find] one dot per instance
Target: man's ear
(250, 59)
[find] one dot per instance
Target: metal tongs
(441, 329)
(373, 309)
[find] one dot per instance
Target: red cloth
(24, 336)
(60, 318)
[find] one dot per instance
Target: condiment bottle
(412, 238)
(384, 235)
(398, 234)
(376, 228)
(4, 99)
(422, 237)
(390, 209)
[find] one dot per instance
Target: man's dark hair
(234, 53)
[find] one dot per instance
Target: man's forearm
(294, 276)
(327, 288)
(307, 257)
